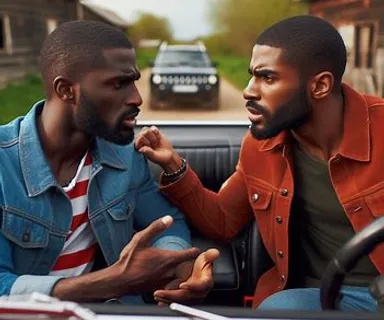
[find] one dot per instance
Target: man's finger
(168, 296)
(152, 138)
(154, 229)
(147, 151)
(177, 257)
(199, 285)
(141, 141)
(155, 130)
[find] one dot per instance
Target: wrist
(93, 287)
(174, 164)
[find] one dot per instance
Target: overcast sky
(188, 18)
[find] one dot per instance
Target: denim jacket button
(26, 236)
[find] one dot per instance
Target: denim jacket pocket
(123, 209)
(23, 230)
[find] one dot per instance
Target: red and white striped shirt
(78, 254)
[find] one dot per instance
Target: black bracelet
(178, 172)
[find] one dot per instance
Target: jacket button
(280, 254)
(255, 197)
(26, 236)
(279, 219)
(284, 192)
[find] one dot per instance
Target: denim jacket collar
(36, 170)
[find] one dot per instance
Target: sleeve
(151, 205)
(216, 215)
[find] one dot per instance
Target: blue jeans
(354, 298)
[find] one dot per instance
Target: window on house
(364, 45)
(51, 25)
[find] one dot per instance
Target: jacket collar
(35, 168)
(356, 139)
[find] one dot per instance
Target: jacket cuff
(28, 284)
(181, 187)
(171, 243)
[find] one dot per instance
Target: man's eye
(268, 79)
(120, 84)
(117, 85)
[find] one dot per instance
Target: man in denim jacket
(72, 184)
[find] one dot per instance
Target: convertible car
(212, 150)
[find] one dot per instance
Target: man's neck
(322, 135)
(63, 145)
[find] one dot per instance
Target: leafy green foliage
(239, 22)
(234, 69)
(149, 26)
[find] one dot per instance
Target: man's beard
(89, 120)
(288, 116)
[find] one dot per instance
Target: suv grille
(184, 79)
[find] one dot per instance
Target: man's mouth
(254, 115)
(130, 120)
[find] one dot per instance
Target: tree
(149, 26)
(239, 22)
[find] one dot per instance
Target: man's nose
(134, 98)
(251, 91)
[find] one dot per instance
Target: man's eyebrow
(130, 75)
(264, 72)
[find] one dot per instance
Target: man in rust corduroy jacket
(311, 167)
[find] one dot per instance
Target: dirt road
(232, 106)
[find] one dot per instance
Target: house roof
(109, 14)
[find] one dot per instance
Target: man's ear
(321, 85)
(64, 88)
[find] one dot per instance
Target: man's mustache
(133, 109)
(254, 105)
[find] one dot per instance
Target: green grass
(144, 57)
(17, 98)
(234, 69)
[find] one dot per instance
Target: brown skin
(273, 83)
(322, 133)
(197, 285)
(130, 275)
(113, 95)
(112, 86)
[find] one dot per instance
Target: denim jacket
(36, 214)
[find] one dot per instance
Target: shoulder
(9, 133)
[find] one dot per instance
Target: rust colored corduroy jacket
(262, 188)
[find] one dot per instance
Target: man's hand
(157, 148)
(197, 285)
(139, 269)
(142, 268)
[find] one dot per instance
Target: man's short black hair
(75, 47)
(309, 43)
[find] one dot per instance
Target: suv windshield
(171, 58)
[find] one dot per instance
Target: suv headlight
(212, 79)
(156, 79)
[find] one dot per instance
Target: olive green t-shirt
(319, 226)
